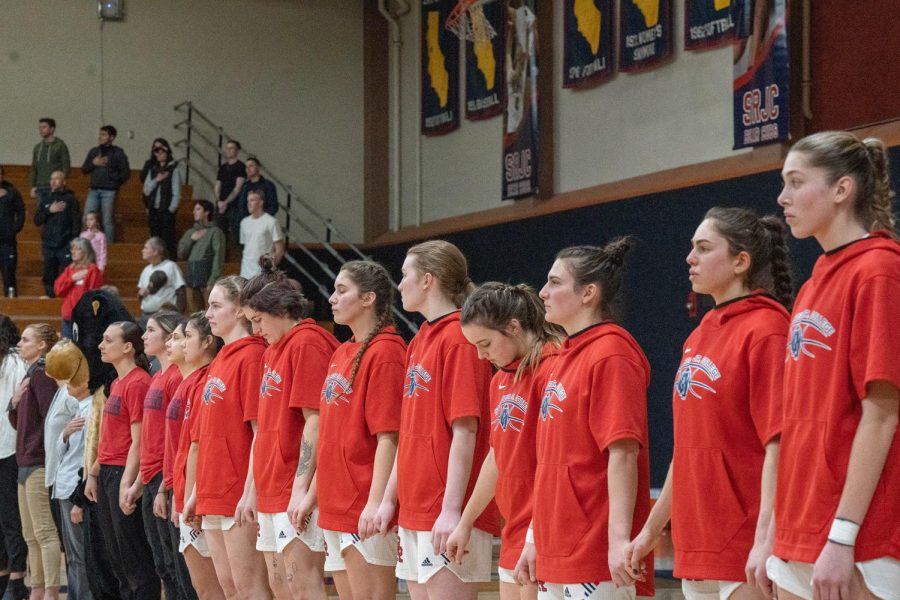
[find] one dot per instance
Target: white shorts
(506, 576)
(709, 589)
(378, 550)
(276, 532)
(217, 522)
(188, 536)
(416, 561)
(882, 576)
(604, 590)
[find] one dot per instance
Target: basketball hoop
(468, 21)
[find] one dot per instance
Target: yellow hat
(65, 362)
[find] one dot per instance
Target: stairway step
(34, 305)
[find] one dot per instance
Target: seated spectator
(12, 218)
(260, 234)
(256, 181)
(59, 218)
(162, 192)
(93, 232)
(203, 246)
(170, 291)
(81, 275)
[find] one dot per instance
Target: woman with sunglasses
(162, 192)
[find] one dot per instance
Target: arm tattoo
(305, 458)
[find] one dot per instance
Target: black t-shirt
(228, 175)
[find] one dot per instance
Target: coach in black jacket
(59, 218)
(12, 218)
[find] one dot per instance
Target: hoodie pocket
(807, 483)
(560, 521)
(217, 472)
(421, 481)
(337, 490)
(706, 511)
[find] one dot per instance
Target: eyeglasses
(160, 149)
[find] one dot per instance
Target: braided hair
(371, 277)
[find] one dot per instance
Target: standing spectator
(203, 246)
(81, 275)
(162, 192)
(12, 545)
(93, 232)
(155, 291)
(108, 167)
(229, 181)
(260, 234)
(49, 155)
(256, 181)
(28, 410)
(12, 218)
(59, 218)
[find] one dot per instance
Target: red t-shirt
(124, 406)
(445, 381)
(596, 395)
(153, 425)
(515, 407)
(228, 401)
(71, 291)
(292, 374)
(178, 433)
(845, 333)
(350, 418)
(726, 406)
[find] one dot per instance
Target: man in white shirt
(260, 234)
(172, 291)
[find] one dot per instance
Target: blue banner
(762, 78)
(485, 85)
(709, 23)
(520, 118)
(645, 33)
(440, 69)
(588, 54)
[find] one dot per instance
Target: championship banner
(645, 33)
(440, 70)
(588, 57)
(709, 23)
(520, 119)
(761, 79)
(484, 63)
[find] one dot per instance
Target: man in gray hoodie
(50, 154)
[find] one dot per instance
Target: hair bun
(617, 249)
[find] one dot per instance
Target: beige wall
(676, 115)
(283, 76)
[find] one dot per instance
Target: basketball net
(468, 22)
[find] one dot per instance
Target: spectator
(59, 218)
(81, 275)
(260, 234)
(12, 218)
(108, 167)
(49, 155)
(12, 545)
(28, 410)
(229, 181)
(93, 232)
(162, 192)
(171, 291)
(203, 246)
(256, 181)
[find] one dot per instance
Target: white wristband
(843, 532)
(529, 536)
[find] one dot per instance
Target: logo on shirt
(154, 399)
(415, 376)
(214, 389)
(113, 405)
(270, 381)
(688, 381)
(506, 414)
(554, 393)
(336, 388)
(808, 329)
(174, 410)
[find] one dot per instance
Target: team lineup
(286, 454)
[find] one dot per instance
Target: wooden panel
(376, 146)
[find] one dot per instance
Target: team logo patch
(214, 389)
(808, 329)
(554, 394)
(113, 406)
(270, 381)
(336, 388)
(688, 381)
(154, 399)
(416, 378)
(510, 412)
(174, 409)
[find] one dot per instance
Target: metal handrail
(193, 151)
